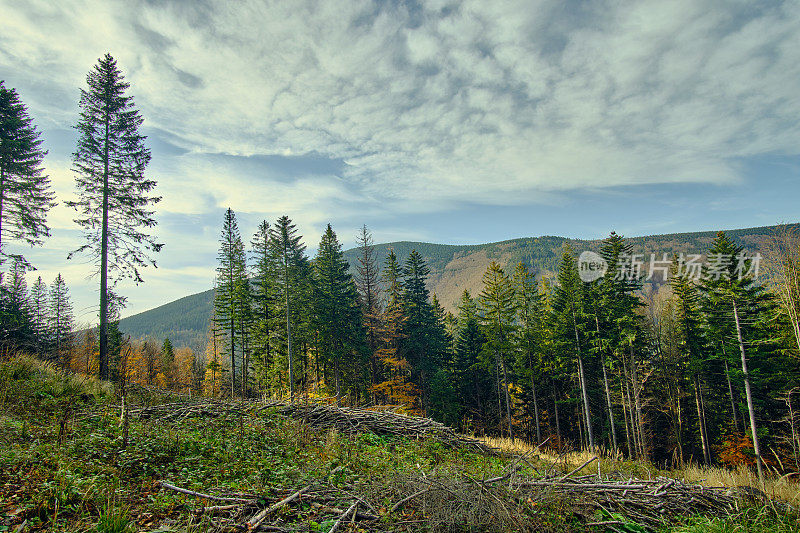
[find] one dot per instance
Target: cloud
(418, 108)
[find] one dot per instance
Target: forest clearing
(73, 460)
(563, 291)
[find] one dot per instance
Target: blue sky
(453, 122)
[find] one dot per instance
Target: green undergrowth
(64, 465)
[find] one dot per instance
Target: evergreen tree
(367, 281)
(61, 320)
(569, 317)
(692, 344)
(613, 304)
(230, 283)
(337, 315)
(25, 192)
(396, 388)
(530, 314)
(291, 279)
(39, 309)
(264, 301)
(473, 389)
(739, 312)
(498, 306)
(114, 205)
(17, 330)
(425, 340)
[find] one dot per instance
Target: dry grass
(780, 488)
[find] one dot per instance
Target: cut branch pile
(359, 420)
(504, 503)
(344, 419)
(251, 512)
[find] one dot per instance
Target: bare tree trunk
(701, 419)
(288, 321)
(631, 413)
(730, 393)
(794, 429)
(748, 392)
(583, 391)
(508, 401)
(637, 399)
(103, 333)
(535, 408)
(555, 411)
(610, 408)
(679, 425)
(625, 418)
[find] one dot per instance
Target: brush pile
(439, 503)
(345, 419)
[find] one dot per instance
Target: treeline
(38, 320)
(654, 374)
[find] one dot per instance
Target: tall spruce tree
(61, 320)
(472, 386)
(528, 303)
(25, 192)
(367, 281)
(738, 311)
(337, 315)
(264, 297)
(689, 323)
(396, 387)
(499, 310)
(114, 205)
(230, 282)
(425, 340)
(291, 280)
(613, 303)
(569, 316)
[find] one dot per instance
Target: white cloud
(502, 103)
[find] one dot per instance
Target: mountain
(453, 269)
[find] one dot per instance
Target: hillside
(453, 269)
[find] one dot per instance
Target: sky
(449, 122)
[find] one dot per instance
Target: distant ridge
(453, 269)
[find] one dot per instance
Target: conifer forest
(619, 387)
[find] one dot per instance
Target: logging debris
(382, 422)
(502, 503)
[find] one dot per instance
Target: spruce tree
(499, 309)
(425, 340)
(530, 314)
(291, 280)
(264, 300)
(738, 311)
(114, 196)
(16, 320)
(25, 192)
(691, 342)
(367, 281)
(337, 314)
(61, 320)
(39, 311)
(396, 387)
(473, 388)
(230, 282)
(569, 316)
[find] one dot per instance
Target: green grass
(73, 474)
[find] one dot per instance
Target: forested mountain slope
(453, 269)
